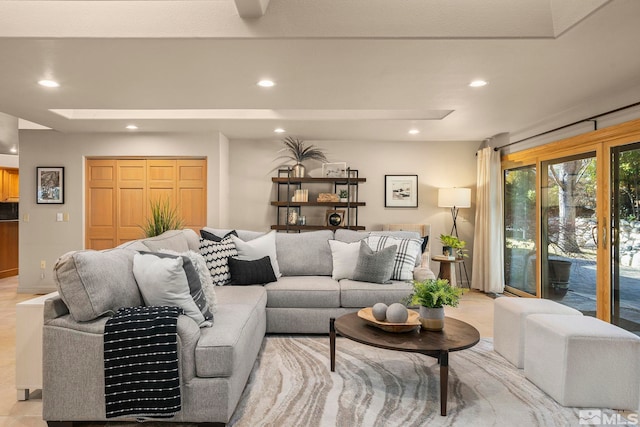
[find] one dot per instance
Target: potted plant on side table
(452, 246)
(432, 295)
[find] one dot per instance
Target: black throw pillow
(210, 236)
(425, 242)
(256, 272)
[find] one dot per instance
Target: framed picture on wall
(401, 191)
(50, 185)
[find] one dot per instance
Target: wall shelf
(286, 187)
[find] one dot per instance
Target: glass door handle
(594, 234)
(604, 234)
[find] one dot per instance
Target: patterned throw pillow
(408, 251)
(374, 267)
(217, 255)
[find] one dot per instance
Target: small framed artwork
(401, 191)
(335, 218)
(334, 170)
(50, 185)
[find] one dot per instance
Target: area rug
(291, 385)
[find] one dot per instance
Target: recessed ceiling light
(414, 131)
(279, 130)
(266, 83)
(49, 83)
(478, 83)
(132, 127)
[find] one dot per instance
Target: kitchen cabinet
(10, 185)
(8, 248)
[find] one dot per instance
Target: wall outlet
(59, 217)
(43, 264)
(66, 217)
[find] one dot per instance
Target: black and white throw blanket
(141, 363)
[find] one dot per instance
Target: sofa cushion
(257, 248)
(350, 236)
(95, 283)
(256, 272)
(176, 240)
(206, 281)
(214, 237)
(345, 257)
(163, 281)
(304, 254)
(245, 235)
(193, 280)
(240, 312)
(363, 294)
(303, 292)
(216, 255)
(406, 254)
(375, 267)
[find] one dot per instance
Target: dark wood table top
(456, 335)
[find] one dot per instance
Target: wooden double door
(119, 192)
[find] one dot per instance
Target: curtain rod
(590, 119)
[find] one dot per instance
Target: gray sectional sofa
(214, 362)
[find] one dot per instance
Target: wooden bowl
(412, 322)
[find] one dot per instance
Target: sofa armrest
(54, 307)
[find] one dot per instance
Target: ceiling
(344, 70)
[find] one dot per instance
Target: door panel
(100, 204)
(132, 195)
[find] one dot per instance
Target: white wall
(437, 164)
(42, 238)
(8, 160)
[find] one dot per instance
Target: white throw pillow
(162, 281)
(258, 248)
(345, 257)
(405, 260)
(200, 265)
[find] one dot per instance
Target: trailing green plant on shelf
(434, 293)
(163, 217)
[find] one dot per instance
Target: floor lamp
(455, 198)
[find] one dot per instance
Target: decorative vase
(298, 171)
(432, 319)
(447, 251)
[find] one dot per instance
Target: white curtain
(488, 254)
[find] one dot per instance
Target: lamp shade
(454, 197)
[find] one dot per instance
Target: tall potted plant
(296, 150)
(163, 217)
(432, 295)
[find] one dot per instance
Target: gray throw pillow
(374, 267)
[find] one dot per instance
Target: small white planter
(432, 319)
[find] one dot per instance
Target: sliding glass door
(520, 229)
(625, 224)
(569, 223)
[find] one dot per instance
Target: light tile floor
(475, 308)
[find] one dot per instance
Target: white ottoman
(583, 361)
(509, 316)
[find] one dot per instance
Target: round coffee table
(457, 335)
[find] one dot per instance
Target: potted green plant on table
(452, 246)
(296, 150)
(344, 196)
(432, 295)
(163, 217)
